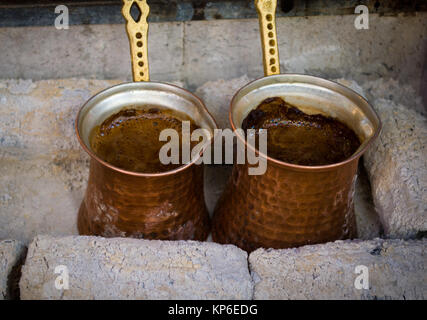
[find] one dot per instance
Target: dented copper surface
(293, 205)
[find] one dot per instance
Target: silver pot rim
(129, 86)
(339, 89)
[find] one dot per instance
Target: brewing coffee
(299, 138)
(129, 139)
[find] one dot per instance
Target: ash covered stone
(397, 167)
(396, 269)
(122, 268)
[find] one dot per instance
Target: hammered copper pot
(120, 203)
(168, 205)
(293, 205)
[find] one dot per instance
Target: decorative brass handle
(138, 34)
(267, 25)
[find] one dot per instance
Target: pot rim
(142, 174)
(297, 167)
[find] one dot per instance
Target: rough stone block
(11, 257)
(397, 168)
(217, 96)
(398, 92)
(100, 268)
(43, 169)
(396, 269)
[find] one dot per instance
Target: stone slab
(43, 169)
(100, 268)
(328, 46)
(396, 269)
(397, 168)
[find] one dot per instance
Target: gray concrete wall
(196, 52)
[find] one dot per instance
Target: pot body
(119, 203)
(292, 205)
(166, 207)
(286, 208)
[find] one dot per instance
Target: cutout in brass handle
(267, 25)
(138, 34)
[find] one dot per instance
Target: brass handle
(138, 34)
(267, 25)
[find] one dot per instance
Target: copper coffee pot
(292, 205)
(167, 205)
